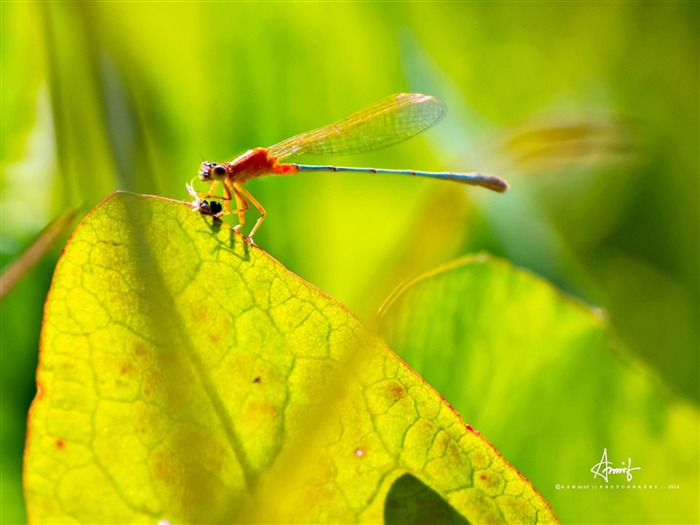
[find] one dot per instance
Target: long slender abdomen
(490, 182)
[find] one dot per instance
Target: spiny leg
(200, 199)
(205, 208)
(202, 195)
(236, 191)
(241, 204)
(227, 198)
(255, 203)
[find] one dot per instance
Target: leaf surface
(187, 376)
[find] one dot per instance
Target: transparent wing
(386, 122)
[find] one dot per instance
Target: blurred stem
(84, 153)
(17, 270)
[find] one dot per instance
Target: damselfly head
(211, 171)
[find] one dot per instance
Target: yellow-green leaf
(187, 376)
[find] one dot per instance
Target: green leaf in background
(535, 371)
(410, 502)
(187, 376)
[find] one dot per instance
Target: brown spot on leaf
(163, 469)
(259, 410)
(257, 379)
(140, 349)
(397, 390)
(200, 315)
(479, 459)
(60, 443)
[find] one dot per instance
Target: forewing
(386, 122)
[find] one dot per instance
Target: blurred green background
(590, 110)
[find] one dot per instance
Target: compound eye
(218, 171)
